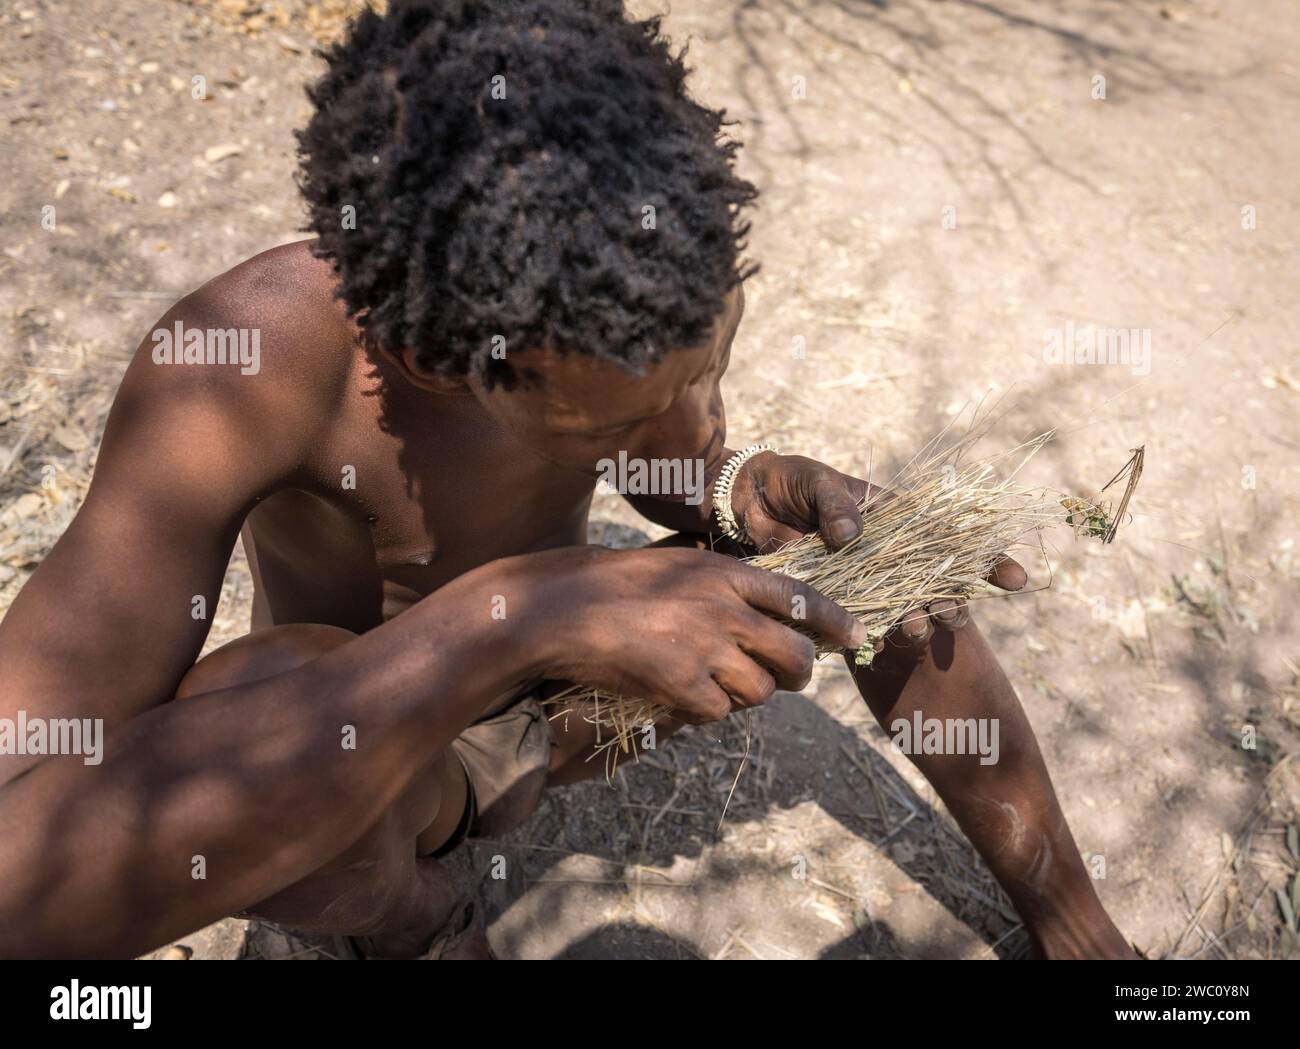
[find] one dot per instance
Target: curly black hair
(521, 216)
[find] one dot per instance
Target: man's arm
(99, 859)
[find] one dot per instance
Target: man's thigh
(352, 892)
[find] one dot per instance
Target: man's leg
(395, 902)
(1007, 809)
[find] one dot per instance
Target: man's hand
(777, 498)
(692, 630)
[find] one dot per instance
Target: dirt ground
(942, 186)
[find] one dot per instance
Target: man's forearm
(101, 860)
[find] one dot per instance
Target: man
(526, 262)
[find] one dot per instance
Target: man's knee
(261, 654)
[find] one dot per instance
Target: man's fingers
(791, 600)
(768, 535)
(745, 682)
(951, 615)
(874, 495)
(859, 488)
(913, 631)
(838, 518)
(710, 702)
(1007, 574)
(787, 654)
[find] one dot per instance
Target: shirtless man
(483, 316)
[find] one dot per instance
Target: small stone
(216, 154)
(177, 952)
(71, 438)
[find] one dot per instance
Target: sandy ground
(942, 188)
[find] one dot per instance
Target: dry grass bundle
(933, 533)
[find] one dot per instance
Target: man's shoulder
(278, 305)
(264, 349)
(286, 294)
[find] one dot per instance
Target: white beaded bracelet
(722, 490)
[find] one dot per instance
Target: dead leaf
(1280, 379)
(21, 508)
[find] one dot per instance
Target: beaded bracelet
(722, 490)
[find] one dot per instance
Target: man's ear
(420, 375)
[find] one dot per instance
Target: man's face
(583, 410)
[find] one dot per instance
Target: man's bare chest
(382, 524)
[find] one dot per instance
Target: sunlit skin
(372, 610)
